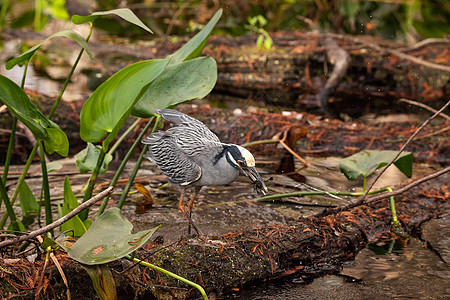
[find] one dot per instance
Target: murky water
(409, 271)
(383, 271)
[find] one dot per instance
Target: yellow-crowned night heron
(192, 156)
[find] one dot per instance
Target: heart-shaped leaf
(124, 13)
(178, 83)
(65, 33)
(366, 162)
(86, 159)
(70, 203)
(108, 108)
(95, 247)
(194, 47)
(44, 129)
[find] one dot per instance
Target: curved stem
(20, 182)
(12, 137)
(299, 194)
(123, 164)
(91, 184)
(164, 271)
(136, 166)
(45, 186)
(392, 203)
(123, 136)
(9, 208)
(66, 83)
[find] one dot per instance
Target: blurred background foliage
(405, 20)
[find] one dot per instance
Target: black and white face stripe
(235, 158)
(243, 161)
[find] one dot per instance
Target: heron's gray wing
(163, 150)
(178, 119)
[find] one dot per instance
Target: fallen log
(231, 262)
(274, 252)
(379, 72)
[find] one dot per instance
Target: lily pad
(109, 238)
(366, 162)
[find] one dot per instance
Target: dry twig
(58, 222)
(404, 147)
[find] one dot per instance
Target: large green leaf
(65, 33)
(86, 159)
(366, 162)
(44, 129)
(110, 105)
(194, 47)
(178, 83)
(124, 13)
(109, 238)
(70, 203)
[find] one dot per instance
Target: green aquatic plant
(135, 90)
(363, 164)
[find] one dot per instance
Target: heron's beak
(254, 176)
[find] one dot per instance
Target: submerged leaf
(366, 162)
(95, 247)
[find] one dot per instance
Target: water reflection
(386, 271)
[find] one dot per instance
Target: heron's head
(242, 160)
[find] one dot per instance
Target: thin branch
(58, 222)
(426, 42)
(408, 186)
(58, 266)
(404, 146)
(392, 51)
(433, 133)
(362, 201)
(423, 106)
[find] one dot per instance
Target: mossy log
(297, 67)
(305, 249)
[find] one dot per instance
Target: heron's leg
(191, 201)
(191, 205)
(188, 217)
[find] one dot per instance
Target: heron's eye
(242, 163)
